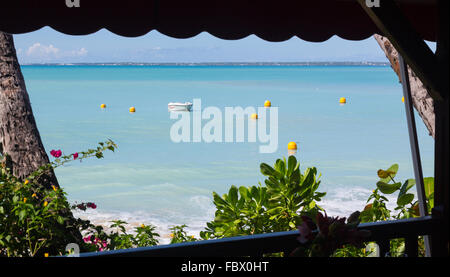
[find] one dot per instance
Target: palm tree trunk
(19, 135)
(421, 99)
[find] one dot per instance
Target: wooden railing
(257, 245)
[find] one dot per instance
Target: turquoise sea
(151, 179)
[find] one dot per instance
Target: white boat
(176, 106)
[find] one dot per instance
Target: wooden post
(440, 238)
(414, 143)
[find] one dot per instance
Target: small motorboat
(176, 106)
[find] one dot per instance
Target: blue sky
(49, 46)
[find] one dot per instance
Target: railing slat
(256, 245)
(411, 246)
(384, 247)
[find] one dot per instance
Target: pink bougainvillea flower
(56, 153)
(87, 239)
(75, 155)
(91, 205)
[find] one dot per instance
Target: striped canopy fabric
(276, 20)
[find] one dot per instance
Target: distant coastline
(217, 64)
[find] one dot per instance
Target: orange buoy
(292, 146)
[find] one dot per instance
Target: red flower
(87, 239)
(75, 155)
(56, 153)
(91, 205)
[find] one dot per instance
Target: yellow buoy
(103, 106)
(342, 100)
(267, 103)
(132, 109)
(292, 146)
(403, 99)
(254, 116)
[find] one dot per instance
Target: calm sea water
(151, 179)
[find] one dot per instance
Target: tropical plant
(324, 235)
(118, 237)
(33, 218)
(407, 205)
(178, 234)
(277, 206)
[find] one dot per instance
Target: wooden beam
(395, 26)
(440, 240)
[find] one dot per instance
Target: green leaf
(388, 188)
(280, 166)
(405, 199)
(275, 210)
(255, 193)
(308, 179)
(394, 169)
(292, 165)
(294, 178)
(266, 169)
(366, 216)
(272, 184)
(243, 191)
(406, 186)
(233, 195)
(22, 214)
(218, 201)
(428, 183)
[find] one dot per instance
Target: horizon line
(372, 63)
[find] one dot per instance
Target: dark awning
(277, 20)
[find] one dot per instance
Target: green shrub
(275, 207)
(118, 238)
(178, 234)
(407, 204)
(34, 219)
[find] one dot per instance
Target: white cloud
(41, 50)
(79, 53)
(49, 53)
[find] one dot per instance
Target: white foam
(162, 222)
(343, 200)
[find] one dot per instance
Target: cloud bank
(49, 53)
